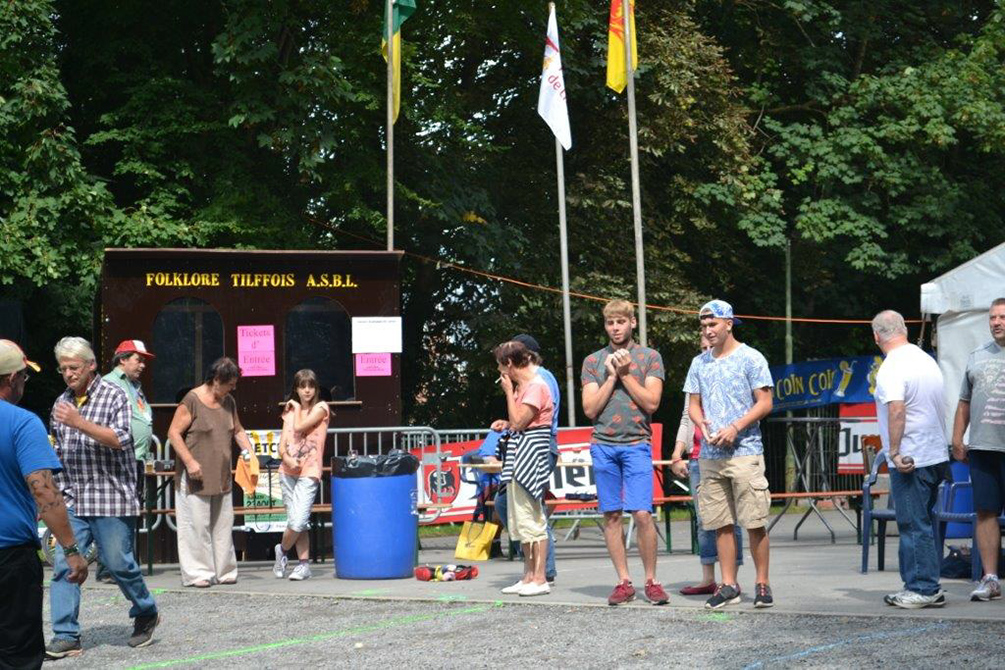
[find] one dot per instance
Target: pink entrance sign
(256, 351)
(373, 365)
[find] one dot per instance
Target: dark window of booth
(319, 337)
(188, 337)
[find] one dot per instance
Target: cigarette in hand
(499, 380)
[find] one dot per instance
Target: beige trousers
(205, 536)
(526, 521)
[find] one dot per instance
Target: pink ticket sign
(256, 350)
(373, 365)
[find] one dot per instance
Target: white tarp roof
(962, 298)
(971, 286)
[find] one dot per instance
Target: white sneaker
(279, 567)
(989, 588)
(909, 600)
(301, 572)
(532, 589)
(513, 590)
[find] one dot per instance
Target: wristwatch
(71, 550)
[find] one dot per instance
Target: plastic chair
(943, 507)
(881, 516)
(944, 516)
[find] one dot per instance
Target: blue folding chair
(869, 514)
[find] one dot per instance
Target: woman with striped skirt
(526, 462)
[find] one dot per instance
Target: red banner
(456, 486)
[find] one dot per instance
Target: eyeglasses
(75, 368)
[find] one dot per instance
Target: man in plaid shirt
(91, 425)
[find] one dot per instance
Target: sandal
(202, 584)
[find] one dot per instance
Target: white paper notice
(376, 334)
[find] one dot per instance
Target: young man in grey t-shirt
(982, 407)
(622, 386)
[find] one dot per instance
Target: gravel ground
(233, 630)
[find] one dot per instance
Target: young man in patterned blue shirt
(731, 391)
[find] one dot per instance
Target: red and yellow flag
(617, 75)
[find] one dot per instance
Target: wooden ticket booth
(274, 312)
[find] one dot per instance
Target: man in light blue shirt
(730, 388)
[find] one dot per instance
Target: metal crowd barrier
(366, 441)
(811, 446)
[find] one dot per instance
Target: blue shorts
(624, 477)
(987, 477)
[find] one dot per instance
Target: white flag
(551, 101)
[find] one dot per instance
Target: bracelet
(732, 425)
(72, 550)
(675, 460)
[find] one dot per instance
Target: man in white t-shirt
(913, 429)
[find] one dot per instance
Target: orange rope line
(585, 296)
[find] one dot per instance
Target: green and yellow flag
(401, 10)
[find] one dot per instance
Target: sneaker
(762, 597)
(301, 572)
(726, 594)
(655, 593)
(989, 588)
(532, 589)
(698, 590)
(513, 590)
(890, 598)
(622, 593)
(143, 630)
(61, 647)
(550, 579)
(279, 567)
(909, 600)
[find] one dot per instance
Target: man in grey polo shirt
(982, 407)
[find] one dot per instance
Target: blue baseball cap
(719, 309)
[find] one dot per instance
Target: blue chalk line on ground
(389, 623)
(870, 637)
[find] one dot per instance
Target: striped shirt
(97, 480)
(526, 459)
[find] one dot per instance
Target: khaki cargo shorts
(733, 491)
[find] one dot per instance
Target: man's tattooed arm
(51, 508)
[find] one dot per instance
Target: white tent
(961, 298)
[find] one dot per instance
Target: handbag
(475, 540)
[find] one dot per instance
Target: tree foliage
(866, 135)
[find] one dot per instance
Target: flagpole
(389, 12)
(640, 269)
(570, 403)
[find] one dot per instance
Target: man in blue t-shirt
(27, 492)
(731, 390)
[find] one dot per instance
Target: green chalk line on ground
(389, 623)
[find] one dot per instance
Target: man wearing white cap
(27, 492)
(128, 363)
(731, 391)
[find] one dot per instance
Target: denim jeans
(114, 538)
(707, 551)
(549, 561)
(914, 496)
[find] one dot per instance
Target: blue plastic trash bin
(375, 526)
